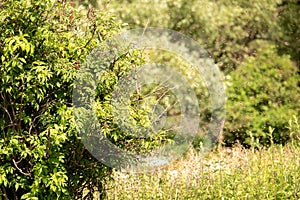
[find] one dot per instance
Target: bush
(262, 93)
(42, 45)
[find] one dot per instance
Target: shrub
(262, 93)
(42, 45)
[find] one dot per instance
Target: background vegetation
(255, 44)
(44, 43)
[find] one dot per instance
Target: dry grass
(227, 173)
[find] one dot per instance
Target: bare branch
(16, 165)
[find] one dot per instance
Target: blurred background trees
(255, 44)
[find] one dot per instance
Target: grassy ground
(227, 173)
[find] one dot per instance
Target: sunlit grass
(227, 173)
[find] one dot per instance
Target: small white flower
(174, 173)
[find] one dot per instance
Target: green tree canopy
(42, 45)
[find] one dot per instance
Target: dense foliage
(261, 103)
(256, 43)
(42, 45)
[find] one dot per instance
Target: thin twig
(15, 164)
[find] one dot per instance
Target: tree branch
(15, 164)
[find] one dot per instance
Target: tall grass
(227, 173)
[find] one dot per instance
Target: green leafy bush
(262, 93)
(42, 45)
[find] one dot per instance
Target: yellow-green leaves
(41, 45)
(14, 44)
(41, 71)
